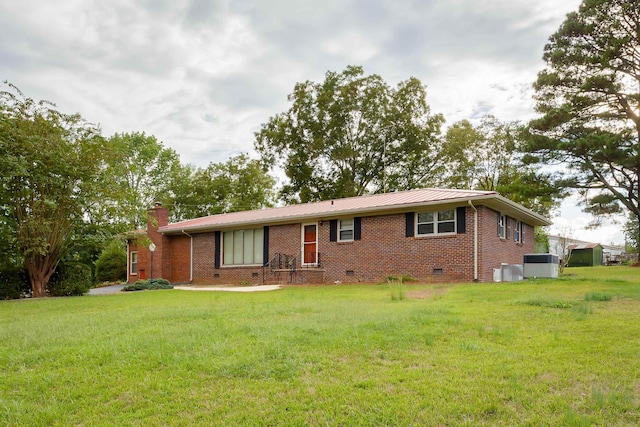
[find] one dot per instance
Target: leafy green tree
(49, 171)
(350, 135)
(487, 157)
(589, 99)
(111, 265)
(140, 173)
(235, 185)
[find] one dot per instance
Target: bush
(70, 279)
(142, 285)
(14, 283)
(111, 265)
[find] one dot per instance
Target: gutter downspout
(190, 255)
(475, 242)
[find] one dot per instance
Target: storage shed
(585, 255)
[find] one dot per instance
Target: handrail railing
(290, 263)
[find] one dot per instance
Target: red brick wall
(203, 262)
(494, 250)
(283, 239)
(382, 251)
(179, 259)
(157, 217)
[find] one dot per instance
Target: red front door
(309, 244)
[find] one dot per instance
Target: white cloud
(202, 75)
(571, 220)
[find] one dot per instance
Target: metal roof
(583, 246)
(374, 204)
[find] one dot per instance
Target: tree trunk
(40, 271)
(38, 284)
(38, 288)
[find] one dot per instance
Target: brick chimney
(157, 217)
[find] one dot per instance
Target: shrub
(111, 265)
(14, 283)
(146, 284)
(70, 279)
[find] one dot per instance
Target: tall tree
(235, 185)
(140, 174)
(49, 168)
(488, 157)
(589, 98)
(352, 134)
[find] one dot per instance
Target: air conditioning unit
(511, 272)
(541, 265)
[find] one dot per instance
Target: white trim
(240, 266)
(302, 244)
(190, 255)
(435, 223)
(130, 262)
(501, 223)
(475, 242)
(253, 230)
(353, 230)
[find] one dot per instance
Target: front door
(309, 244)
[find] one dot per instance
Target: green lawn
(563, 352)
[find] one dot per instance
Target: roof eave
(511, 207)
(531, 217)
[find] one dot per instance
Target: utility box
(511, 272)
(508, 273)
(541, 265)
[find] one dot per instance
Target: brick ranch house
(433, 235)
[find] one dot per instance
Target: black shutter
(409, 218)
(265, 245)
(216, 251)
(333, 230)
(461, 219)
(357, 228)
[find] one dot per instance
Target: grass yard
(544, 352)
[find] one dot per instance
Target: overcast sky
(202, 76)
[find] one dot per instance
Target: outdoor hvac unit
(508, 273)
(541, 265)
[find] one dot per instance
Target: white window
(436, 222)
(501, 228)
(345, 230)
(133, 263)
(516, 232)
(242, 247)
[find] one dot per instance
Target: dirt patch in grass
(428, 293)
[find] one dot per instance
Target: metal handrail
(290, 263)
